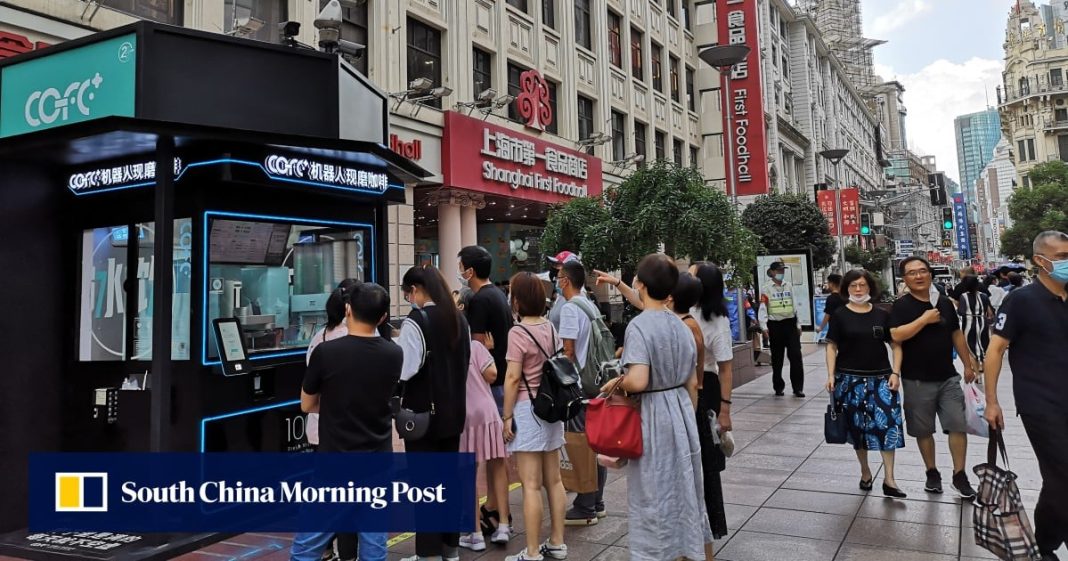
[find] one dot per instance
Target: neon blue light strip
(204, 422)
(251, 164)
(272, 218)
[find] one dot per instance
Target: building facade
(1033, 98)
(977, 134)
(995, 185)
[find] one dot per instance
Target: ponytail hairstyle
(429, 279)
(712, 301)
(335, 304)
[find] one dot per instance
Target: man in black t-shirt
(928, 334)
(834, 300)
(349, 382)
(1033, 321)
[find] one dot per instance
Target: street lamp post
(835, 156)
(722, 58)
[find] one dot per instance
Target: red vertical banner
(825, 200)
(850, 211)
(748, 153)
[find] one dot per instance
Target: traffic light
(947, 218)
(865, 223)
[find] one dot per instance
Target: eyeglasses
(917, 273)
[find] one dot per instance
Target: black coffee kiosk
(154, 179)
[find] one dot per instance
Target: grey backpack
(600, 353)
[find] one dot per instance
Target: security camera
(330, 16)
(289, 29)
(351, 49)
(420, 84)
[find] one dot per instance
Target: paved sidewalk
(789, 495)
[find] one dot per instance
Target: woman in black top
(864, 385)
(437, 348)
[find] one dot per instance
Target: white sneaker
(473, 541)
(554, 551)
(522, 556)
(726, 443)
(503, 534)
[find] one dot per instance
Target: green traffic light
(864, 230)
(947, 225)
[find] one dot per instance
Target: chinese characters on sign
(117, 176)
(826, 202)
(960, 219)
(850, 198)
(341, 176)
(80, 543)
(745, 99)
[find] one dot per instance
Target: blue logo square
(92, 492)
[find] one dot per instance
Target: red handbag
(614, 425)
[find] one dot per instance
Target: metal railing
(1034, 87)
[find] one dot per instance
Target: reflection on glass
(276, 277)
(180, 295)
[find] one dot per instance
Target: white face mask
(859, 299)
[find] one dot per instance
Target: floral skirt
(873, 411)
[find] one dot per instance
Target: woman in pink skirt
(483, 436)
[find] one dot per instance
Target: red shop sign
(850, 211)
(825, 200)
(487, 158)
(12, 44)
(738, 26)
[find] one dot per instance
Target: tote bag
(1001, 523)
(614, 425)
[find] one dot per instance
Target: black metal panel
(206, 79)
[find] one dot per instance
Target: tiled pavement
(789, 495)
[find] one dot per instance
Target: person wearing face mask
(1033, 322)
(556, 263)
(863, 382)
(778, 320)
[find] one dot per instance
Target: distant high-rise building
(977, 135)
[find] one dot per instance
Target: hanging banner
(850, 211)
(826, 202)
(960, 221)
(748, 158)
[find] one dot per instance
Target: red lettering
(12, 44)
(412, 150)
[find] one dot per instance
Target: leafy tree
(660, 205)
(786, 221)
(1043, 206)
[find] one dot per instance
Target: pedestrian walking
(925, 324)
(534, 442)
(864, 383)
(576, 328)
(834, 299)
(1033, 323)
(490, 317)
(437, 351)
(349, 382)
(715, 383)
(665, 491)
(976, 313)
(778, 319)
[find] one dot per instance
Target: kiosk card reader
(233, 355)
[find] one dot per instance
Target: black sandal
(490, 520)
(866, 485)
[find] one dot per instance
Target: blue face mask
(779, 277)
(1058, 270)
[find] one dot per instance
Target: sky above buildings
(948, 55)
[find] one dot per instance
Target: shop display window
(102, 333)
(275, 278)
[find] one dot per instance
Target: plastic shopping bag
(974, 408)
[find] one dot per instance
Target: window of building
(163, 11)
(548, 13)
(585, 120)
(691, 98)
(1026, 152)
(674, 78)
(657, 55)
(639, 139)
(520, 5)
(785, 67)
(676, 151)
(424, 55)
(694, 156)
(615, 52)
(1025, 86)
(659, 139)
(514, 71)
(619, 136)
(242, 15)
(1056, 77)
(554, 125)
(354, 28)
(583, 29)
(637, 68)
(670, 4)
(1031, 149)
(482, 71)
(686, 15)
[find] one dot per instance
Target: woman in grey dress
(667, 517)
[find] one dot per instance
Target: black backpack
(559, 396)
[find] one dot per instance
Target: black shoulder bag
(411, 425)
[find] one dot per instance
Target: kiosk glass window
(105, 268)
(254, 19)
(275, 278)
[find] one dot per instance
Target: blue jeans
(498, 397)
(309, 546)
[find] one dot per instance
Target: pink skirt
(486, 440)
